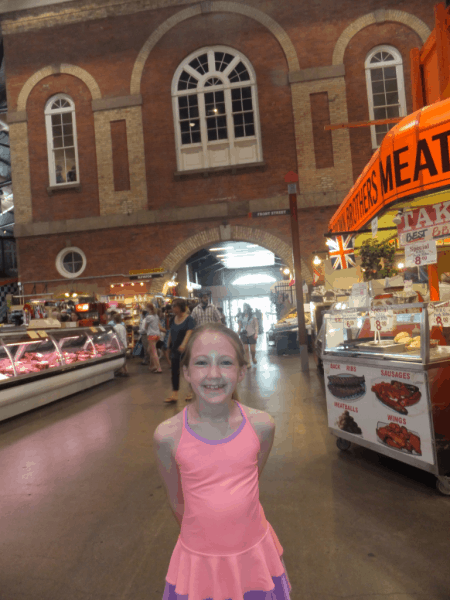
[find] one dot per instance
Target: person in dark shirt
(180, 331)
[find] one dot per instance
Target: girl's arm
(162, 328)
(185, 340)
(169, 472)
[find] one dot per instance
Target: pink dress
(226, 549)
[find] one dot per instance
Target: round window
(71, 262)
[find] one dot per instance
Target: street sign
(292, 188)
(269, 213)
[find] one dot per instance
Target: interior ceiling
(231, 255)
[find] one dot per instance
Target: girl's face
(176, 310)
(213, 370)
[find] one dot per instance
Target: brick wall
(393, 34)
(67, 204)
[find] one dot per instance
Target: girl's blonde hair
(220, 328)
(151, 308)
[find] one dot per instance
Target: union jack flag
(342, 252)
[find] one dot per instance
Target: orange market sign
(413, 160)
(147, 271)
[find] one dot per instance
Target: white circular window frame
(60, 265)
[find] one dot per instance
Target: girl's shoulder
(172, 428)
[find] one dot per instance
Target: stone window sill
(61, 188)
(233, 169)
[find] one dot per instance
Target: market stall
(387, 383)
(40, 366)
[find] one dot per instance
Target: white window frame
(60, 264)
(200, 91)
(49, 130)
(398, 64)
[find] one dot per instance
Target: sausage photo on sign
(397, 395)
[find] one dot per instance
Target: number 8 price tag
(381, 320)
(440, 317)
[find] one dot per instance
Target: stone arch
(188, 247)
(213, 6)
(378, 16)
(53, 70)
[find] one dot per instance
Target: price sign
(381, 320)
(360, 289)
(423, 253)
(440, 317)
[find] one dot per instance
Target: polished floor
(83, 515)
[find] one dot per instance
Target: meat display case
(389, 391)
(40, 366)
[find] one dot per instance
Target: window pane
(237, 105)
(236, 93)
(392, 98)
(379, 113)
(56, 119)
(70, 165)
(378, 87)
(209, 98)
(200, 64)
(249, 130)
(68, 129)
(57, 142)
(239, 131)
(222, 60)
(187, 82)
(380, 137)
(67, 117)
(184, 126)
(185, 138)
(381, 128)
(393, 111)
(60, 165)
(213, 81)
(221, 122)
(183, 101)
(248, 105)
(220, 97)
(240, 73)
(184, 113)
(379, 100)
(212, 135)
(376, 74)
(193, 112)
(238, 119)
(386, 56)
(196, 137)
(246, 92)
(57, 130)
(248, 118)
(391, 85)
(68, 140)
(376, 58)
(223, 134)
(220, 108)
(390, 73)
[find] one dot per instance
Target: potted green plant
(377, 259)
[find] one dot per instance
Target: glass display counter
(40, 366)
(387, 374)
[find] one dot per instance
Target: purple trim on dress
(279, 592)
(214, 442)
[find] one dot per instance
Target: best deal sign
(424, 224)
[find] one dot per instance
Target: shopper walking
(153, 328)
(143, 337)
(248, 332)
(180, 332)
(226, 547)
(205, 312)
(121, 332)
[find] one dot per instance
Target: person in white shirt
(153, 328)
(121, 332)
(248, 332)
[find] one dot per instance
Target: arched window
(215, 106)
(62, 140)
(385, 89)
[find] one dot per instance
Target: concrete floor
(83, 514)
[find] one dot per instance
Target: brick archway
(378, 16)
(226, 233)
(54, 70)
(224, 6)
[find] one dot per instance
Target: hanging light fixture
(317, 261)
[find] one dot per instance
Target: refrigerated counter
(40, 366)
(390, 391)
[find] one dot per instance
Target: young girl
(153, 329)
(210, 457)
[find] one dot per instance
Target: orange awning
(413, 160)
